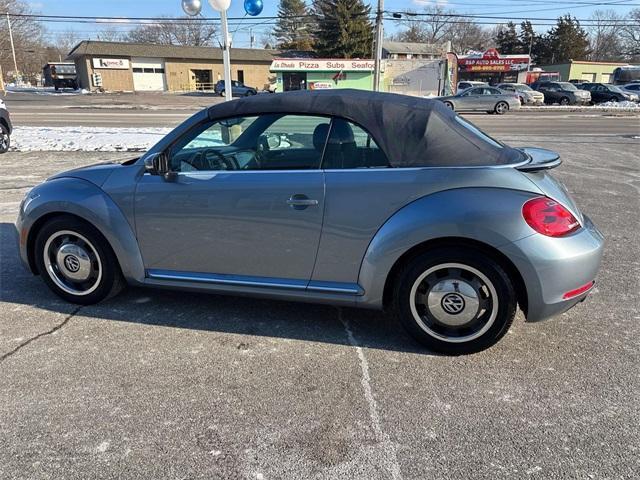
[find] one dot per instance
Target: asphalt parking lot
(157, 384)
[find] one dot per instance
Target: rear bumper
(551, 267)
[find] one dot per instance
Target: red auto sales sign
(492, 61)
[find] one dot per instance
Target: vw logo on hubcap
(72, 263)
(452, 303)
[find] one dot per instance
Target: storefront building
(135, 67)
(316, 74)
(600, 72)
(493, 68)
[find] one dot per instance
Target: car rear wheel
(501, 108)
(564, 101)
(449, 105)
(222, 93)
(5, 139)
(76, 262)
(454, 300)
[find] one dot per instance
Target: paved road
(154, 384)
(154, 110)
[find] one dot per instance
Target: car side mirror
(158, 164)
(273, 141)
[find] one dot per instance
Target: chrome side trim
(260, 282)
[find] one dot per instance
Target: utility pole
(13, 49)
(251, 37)
(378, 56)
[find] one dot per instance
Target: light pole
(252, 7)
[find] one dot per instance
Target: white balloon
(192, 7)
(220, 5)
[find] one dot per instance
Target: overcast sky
(153, 8)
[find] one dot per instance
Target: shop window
(159, 70)
(147, 70)
(137, 70)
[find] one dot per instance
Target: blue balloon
(253, 7)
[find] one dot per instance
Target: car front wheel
(5, 139)
(454, 300)
(502, 108)
(564, 101)
(76, 262)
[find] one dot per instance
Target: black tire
(5, 139)
(564, 101)
(222, 93)
(449, 105)
(484, 329)
(501, 108)
(109, 283)
(613, 99)
(250, 93)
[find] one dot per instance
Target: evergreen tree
(343, 28)
(566, 41)
(294, 27)
(507, 40)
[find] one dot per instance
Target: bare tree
(605, 35)
(110, 34)
(187, 31)
(441, 25)
(65, 42)
(27, 38)
(630, 36)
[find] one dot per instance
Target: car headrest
(341, 133)
(320, 136)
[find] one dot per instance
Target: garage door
(148, 74)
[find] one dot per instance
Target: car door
(470, 99)
(247, 200)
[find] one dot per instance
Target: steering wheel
(202, 161)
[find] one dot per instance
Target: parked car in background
(238, 89)
(564, 93)
(604, 92)
(486, 99)
(631, 87)
(286, 199)
(463, 85)
(527, 95)
(5, 128)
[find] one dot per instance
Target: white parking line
(381, 437)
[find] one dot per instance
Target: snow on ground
(45, 90)
(601, 107)
(92, 139)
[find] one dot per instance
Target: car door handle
(300, 202)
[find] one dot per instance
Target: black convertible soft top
(412, 131)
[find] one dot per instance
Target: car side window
(350, 146)
(494, 91)
(264, 142)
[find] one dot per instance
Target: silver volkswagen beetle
(345, 197)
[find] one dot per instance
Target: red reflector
(578, 291)
(548, 217)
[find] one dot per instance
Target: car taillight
(548, 217)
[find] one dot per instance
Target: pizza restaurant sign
(492, 61)
(309, 64)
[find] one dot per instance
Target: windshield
(613, 88)
(567, 86)
(521, 87)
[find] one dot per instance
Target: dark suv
(238, 89)
(564, 93)
(5, 128)
(602, 92)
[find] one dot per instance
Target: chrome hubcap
(72, 262)
(501, 108)
(4, 141)
(454, 302)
